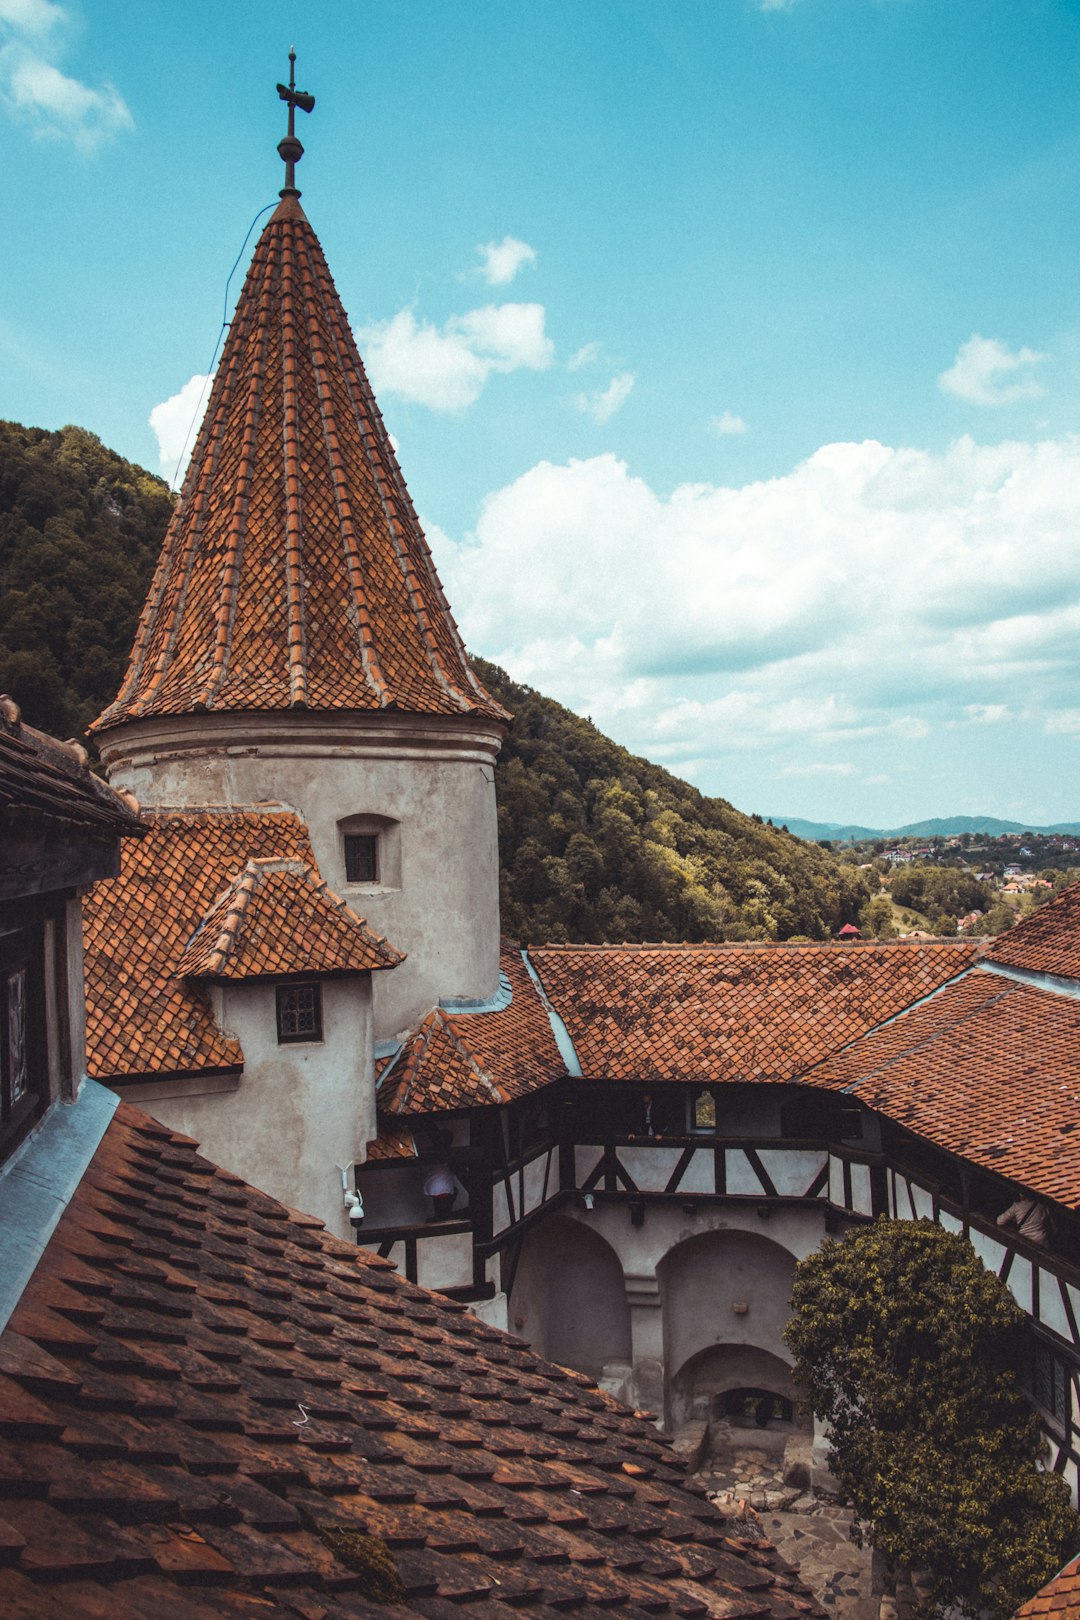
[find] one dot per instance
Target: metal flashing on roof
(502, 998)
(1050, 982)
(39, 1180)
(567, 1050)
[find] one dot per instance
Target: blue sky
(732, 348)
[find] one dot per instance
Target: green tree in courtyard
(907, 1347)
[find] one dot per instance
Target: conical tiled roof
(295, 574)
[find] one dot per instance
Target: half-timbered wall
(625, 1255)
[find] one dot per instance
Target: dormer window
(361, 857)
(299, 1012)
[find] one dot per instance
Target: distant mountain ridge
(936, 827)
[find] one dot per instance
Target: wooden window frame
(285, 1013)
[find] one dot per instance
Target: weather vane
(290, 149)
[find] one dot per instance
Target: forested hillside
(599, 845)
(596, 845)
(80, 530)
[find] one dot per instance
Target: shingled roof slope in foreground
(988, 1069)
(209, 1407)
(277, 917)
(142, 1017)
(1046, 942)
(295, 574)
(467, 1059)
(731, 1012)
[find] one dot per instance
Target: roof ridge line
(918, 1045)
(237, 534)
(369, 657)
(355, 375)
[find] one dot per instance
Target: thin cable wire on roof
(201, 401)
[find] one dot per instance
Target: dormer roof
(277, 917)
(295, 574)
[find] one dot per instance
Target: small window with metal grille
(361, 857)
(299, 1012)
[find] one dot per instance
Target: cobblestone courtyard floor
(806, 1528)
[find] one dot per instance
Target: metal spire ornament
(290, 150)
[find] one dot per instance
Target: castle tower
(296, 644)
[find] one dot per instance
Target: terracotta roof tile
(295, 573)
(143, 1017)
(1046, 942)
(311, 1476)
(276, 917)
(731, 1012)
(463, 1060)
(988, 1068)
(48, 778)
(392, 1142)
(1059, 1599)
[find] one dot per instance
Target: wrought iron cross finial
(290, 149)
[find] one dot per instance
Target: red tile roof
(463, 1060)
(209, 1407)
(295, 573)
(731, 1012)
(990, 1069)
(393, 1142)
(44, 777)
(143, 1017)
(1046, 942)
(277, 917)
(1059, 1599)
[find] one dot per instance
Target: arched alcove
(569, 1298)
(739, 1388)
(726, 1293)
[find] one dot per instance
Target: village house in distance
(617, 1152)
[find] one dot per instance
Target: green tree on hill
(80, 530)
(600, 845)
(595, 844)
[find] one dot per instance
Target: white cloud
(31, 16)
(864, 601)
(38, 94)
(981, 365)
(601, 406)
(501, 261)
(726, 423)
(175, 423)
(446, 368)
(818, 768)
(585, 356)
(986, 714)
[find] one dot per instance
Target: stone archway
(569, 1299)
(740, 1390)
(726, 1300)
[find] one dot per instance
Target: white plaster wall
(569, 1301)
(301, 1109)
(725, 1288)
(792, 1170)
(446, 1261)
(436, 779)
